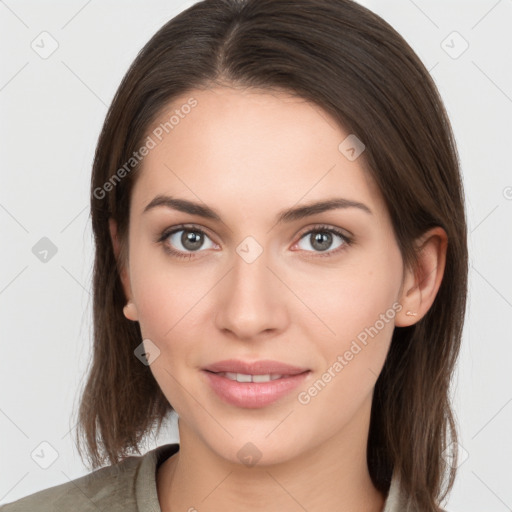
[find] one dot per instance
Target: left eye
(320, 240)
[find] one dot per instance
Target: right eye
(183, 241)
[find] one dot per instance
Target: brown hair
(354, 65)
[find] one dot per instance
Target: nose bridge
(251, 301)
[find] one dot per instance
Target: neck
(330, 476)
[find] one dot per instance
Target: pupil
(323, 239)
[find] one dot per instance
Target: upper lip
(262, 367)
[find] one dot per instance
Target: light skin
(248, 155)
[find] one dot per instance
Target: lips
(262, 367)
(253, 384)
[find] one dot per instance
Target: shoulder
(109, 488)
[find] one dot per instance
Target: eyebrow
(289, 215)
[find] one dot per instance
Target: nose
(251, 301)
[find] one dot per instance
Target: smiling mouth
(250, 391)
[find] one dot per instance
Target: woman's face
(249, 285)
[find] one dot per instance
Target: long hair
(344, 58)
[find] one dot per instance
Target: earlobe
(130, 311)
(422, 283)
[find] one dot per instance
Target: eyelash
(347, 241)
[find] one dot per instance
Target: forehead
(227, 144)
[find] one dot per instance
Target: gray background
(51, 111)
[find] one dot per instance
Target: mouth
(253, 391)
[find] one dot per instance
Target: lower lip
(253, 395)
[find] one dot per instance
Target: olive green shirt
(129, 486)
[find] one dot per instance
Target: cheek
(171, 298)
(165, 298)
(358, 308)
(163, 294)
(353, 297)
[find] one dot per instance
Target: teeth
(242, 377)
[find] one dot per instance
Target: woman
(281, 260)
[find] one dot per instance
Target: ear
(420, 285)
(130, 310)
